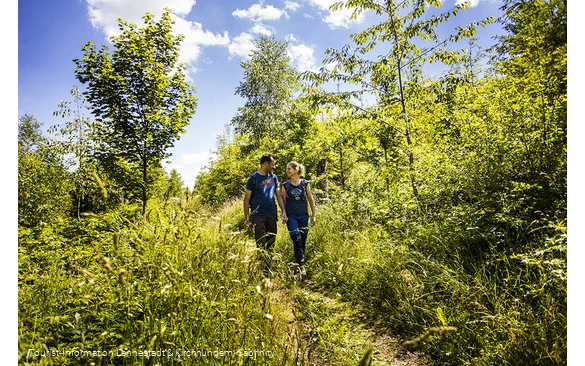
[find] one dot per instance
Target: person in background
(296, 193)
(261, 189)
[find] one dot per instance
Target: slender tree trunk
(407, 133)
(78, 205)
(79, 157)
(397, 44)
(341, 167)
(322, 171)
(385, 146)
(144, 186)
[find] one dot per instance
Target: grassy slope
(187, 280)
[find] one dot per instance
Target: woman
(296, 193)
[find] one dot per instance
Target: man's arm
(281, 204)
(247, 196)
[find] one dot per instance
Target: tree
(139, 93)
(276, 116)
(30, 136)
(402, 28)
(268, 87)
(43, 184)
(78, 134)
(225, 177)
(533, 57)
(174, 184)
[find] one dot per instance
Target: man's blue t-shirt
(263, 194)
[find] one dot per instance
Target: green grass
(187, 279)
(461, 301)
(182, 281)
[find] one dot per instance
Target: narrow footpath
(329, 331)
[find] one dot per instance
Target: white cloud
(291, 5)
(104, 13)
(337, 19)
(473, 3)
(260, 28)
(242, 46)
(258, 13)
(323, 4)
(195, 38)
(331, 65)
(342, 19)
(308, 16)
(303, 57)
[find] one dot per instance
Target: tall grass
(186, 279)
(450, 291)
(182, 280)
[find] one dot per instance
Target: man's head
(267, 163)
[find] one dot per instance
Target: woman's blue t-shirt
(296, 198)
(263, 189)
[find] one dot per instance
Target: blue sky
(218, 35)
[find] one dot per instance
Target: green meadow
(441, 232)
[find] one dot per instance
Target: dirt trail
(329, 331)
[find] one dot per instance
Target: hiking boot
(303, 273)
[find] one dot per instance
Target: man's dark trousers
(265, 235)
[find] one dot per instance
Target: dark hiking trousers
(265, 235)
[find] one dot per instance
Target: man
(261, 189)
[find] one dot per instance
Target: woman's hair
(300, 168)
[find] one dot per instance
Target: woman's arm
(311, 203)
